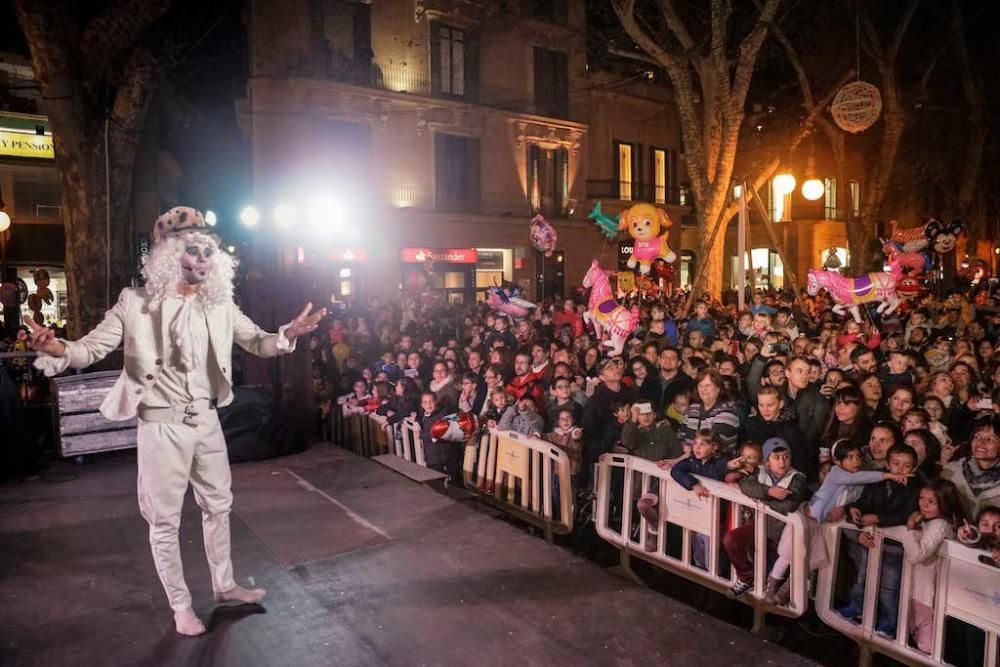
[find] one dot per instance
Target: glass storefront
(54, 312)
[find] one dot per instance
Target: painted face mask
(196, 261)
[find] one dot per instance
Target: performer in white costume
(178, 333)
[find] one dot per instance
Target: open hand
(44, 339)
(777, 492)
(304, 322)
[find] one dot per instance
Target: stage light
(324, 214)
(210, 218)
(813, 189)
(4, 222)
(285, 215)
(784, 184)
(250, 216)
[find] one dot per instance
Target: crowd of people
(893, 422)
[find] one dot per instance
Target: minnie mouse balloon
(543, 235)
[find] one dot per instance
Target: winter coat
(805, 455)
(890, 501)
(722, 419)
(756, 487)
(652, 443)
(811, 408)
(684, 471)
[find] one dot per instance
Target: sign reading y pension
(26, 144)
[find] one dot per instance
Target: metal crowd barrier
(968, 590)
(622, 479)
(525, 477)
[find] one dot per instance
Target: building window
(551, 83)
(626, 168)
(687, 268)
(454, 68)
(768, 271)
(781, 205)
(456, 172)
(855, 199)
(660, 168)
(548, 180)
(830, 202)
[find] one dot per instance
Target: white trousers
(170, 455)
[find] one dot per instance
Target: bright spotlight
(4, 222)
(250, 216)
(285, 215)
(784, 184)
(324, 214)
(813, 189)
(210, 218)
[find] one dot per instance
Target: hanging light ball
(813, 189)
(4, 222)
(856, 106)
(784, 184)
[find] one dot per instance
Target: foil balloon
(607, 224)
(507, 299)
(341, 351)
(849, 293)
(454, 428)
(909, 286)
(647, 225)
(543, 236)
(942, 236)
(626, 281)
(607, 315)
(913, 263)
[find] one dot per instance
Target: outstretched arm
(256, 341)
(56, 355)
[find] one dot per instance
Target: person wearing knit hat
(178, 333)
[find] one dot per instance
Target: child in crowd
(524, 420)
(677, 410)
(985, 534)
(612, 438)
(884, 504)
(939, 515)
(567, 436)
(706, 462)
(355, 403)
(782, 488)
(750, 457)
(500, 404)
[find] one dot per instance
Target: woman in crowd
(848, 420)
(712, 410)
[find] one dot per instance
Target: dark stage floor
(362, 567)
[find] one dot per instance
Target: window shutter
(471, 67)
(435, 29)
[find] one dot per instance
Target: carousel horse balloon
(543, 236)
(605, 313)
(507, 299)
(850, 293)
(908, 240)
(607, 224)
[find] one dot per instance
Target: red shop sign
(447, 255)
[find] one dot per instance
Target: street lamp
(250, 216)
(813, 189)
(784, 184)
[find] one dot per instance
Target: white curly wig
(162, 270)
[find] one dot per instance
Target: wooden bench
(81, 428)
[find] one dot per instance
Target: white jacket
(145, 335)
(921, 550)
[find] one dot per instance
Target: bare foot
(188, 624)
(240, 594)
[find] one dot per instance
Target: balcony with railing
(630, 191)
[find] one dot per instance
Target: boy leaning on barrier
(883, 504)
(783, 489)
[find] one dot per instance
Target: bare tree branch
(748, 53)
(720, 66)
(901, 28)
(676, 25)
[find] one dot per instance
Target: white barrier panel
(407, 443)
(967, 589)
(527, 477)
(622, 479)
